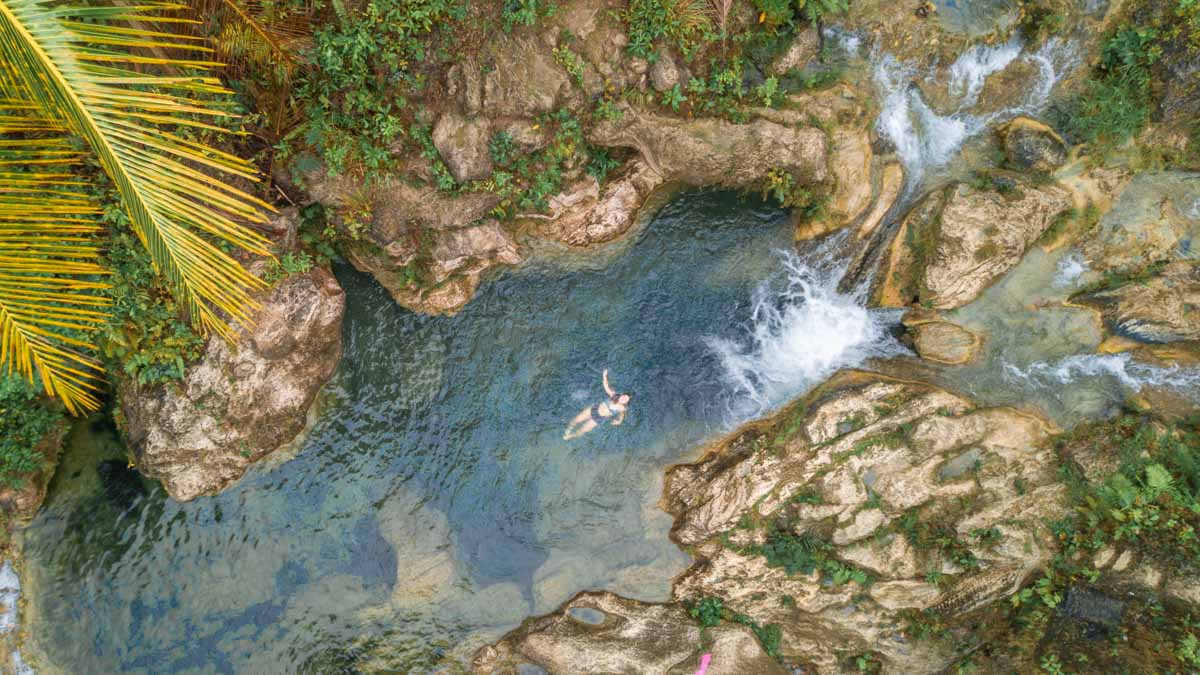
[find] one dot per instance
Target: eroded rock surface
(1162, 308)
(243, 401)
(939, 340)
(585, 214)
(711, 151)
(605, 633)
(957, 242)
(1032, 145)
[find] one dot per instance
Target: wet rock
(1030, 144)
(463, 145)
(450, 268)
(586, 215)
(850, 162)
(962, 239)
(1153, 220)
(804, 48)
(704, 152)
(939, 340)
(665, 74)
(604, 633)
(241, 401)
(1160, 309)
(891, 181)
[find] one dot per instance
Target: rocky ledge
(817, 529)
(240, 402)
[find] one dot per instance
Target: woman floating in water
(594, 415)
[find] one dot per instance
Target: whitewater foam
(1131, 374)
(924, 139)
(800, 331)
(1070, 268)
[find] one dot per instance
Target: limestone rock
(243, 401)
(864, 438)
(463, 145)
(964, 239)
(520, 76)
(451, 269)
(665, 74)
(1162, 308)
(939, 340)
(850, 159)
(1032, 145)
(804, 48)
(585, 215)
(604, 633)
(703, 152)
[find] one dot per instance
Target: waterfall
(10, 596)
(926, 140)
(800, 331)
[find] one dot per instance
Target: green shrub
(1116, 102)
(147, 336)
(683, 23)
(525, 13)
(774, 13)
(24, 422)
(708, 611)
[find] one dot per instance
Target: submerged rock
(605, 633)
(1158, 309)
(1030, 144)
(240, 402)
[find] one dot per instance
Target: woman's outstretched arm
(607, 389)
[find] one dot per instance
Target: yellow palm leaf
(49, 276)
(83, 66)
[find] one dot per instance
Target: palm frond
(83, 66)
(49, 271)
(262, 38)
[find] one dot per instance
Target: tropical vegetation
(108, 96)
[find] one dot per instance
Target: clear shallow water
(435, 504)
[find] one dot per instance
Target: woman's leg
(580, 425)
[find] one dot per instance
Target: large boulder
(585, 214)
(512, 75)
(437, 271)
(1158, 309)
(241, 401)
(703, 152)
(605, 633)
(936, 339)
(956, 242)
(463, 145)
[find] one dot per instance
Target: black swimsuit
(596, 416)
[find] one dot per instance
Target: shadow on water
(434, 504)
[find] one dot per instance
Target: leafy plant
(683, 23)
(768, 91)
(708, 611)
(83, 72)
(673, 97)
(776, 13)
(1116, 103)
(525, 13)
(24, 422)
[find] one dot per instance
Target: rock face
(936, 339)
(804, 48)
(463, 145)
(20, 504)
(1162, 308)
(240, 402)
(450, 268)
(604, 633)
(587, 215)
(715, 152)
(941, 503)
(955, 243)
(1032, 145)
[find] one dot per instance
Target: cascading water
(926, 140)
(1120, 368)
(801, 330)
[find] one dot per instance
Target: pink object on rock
(704, 661)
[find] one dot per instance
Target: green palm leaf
(82, 65)
(48, 259)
